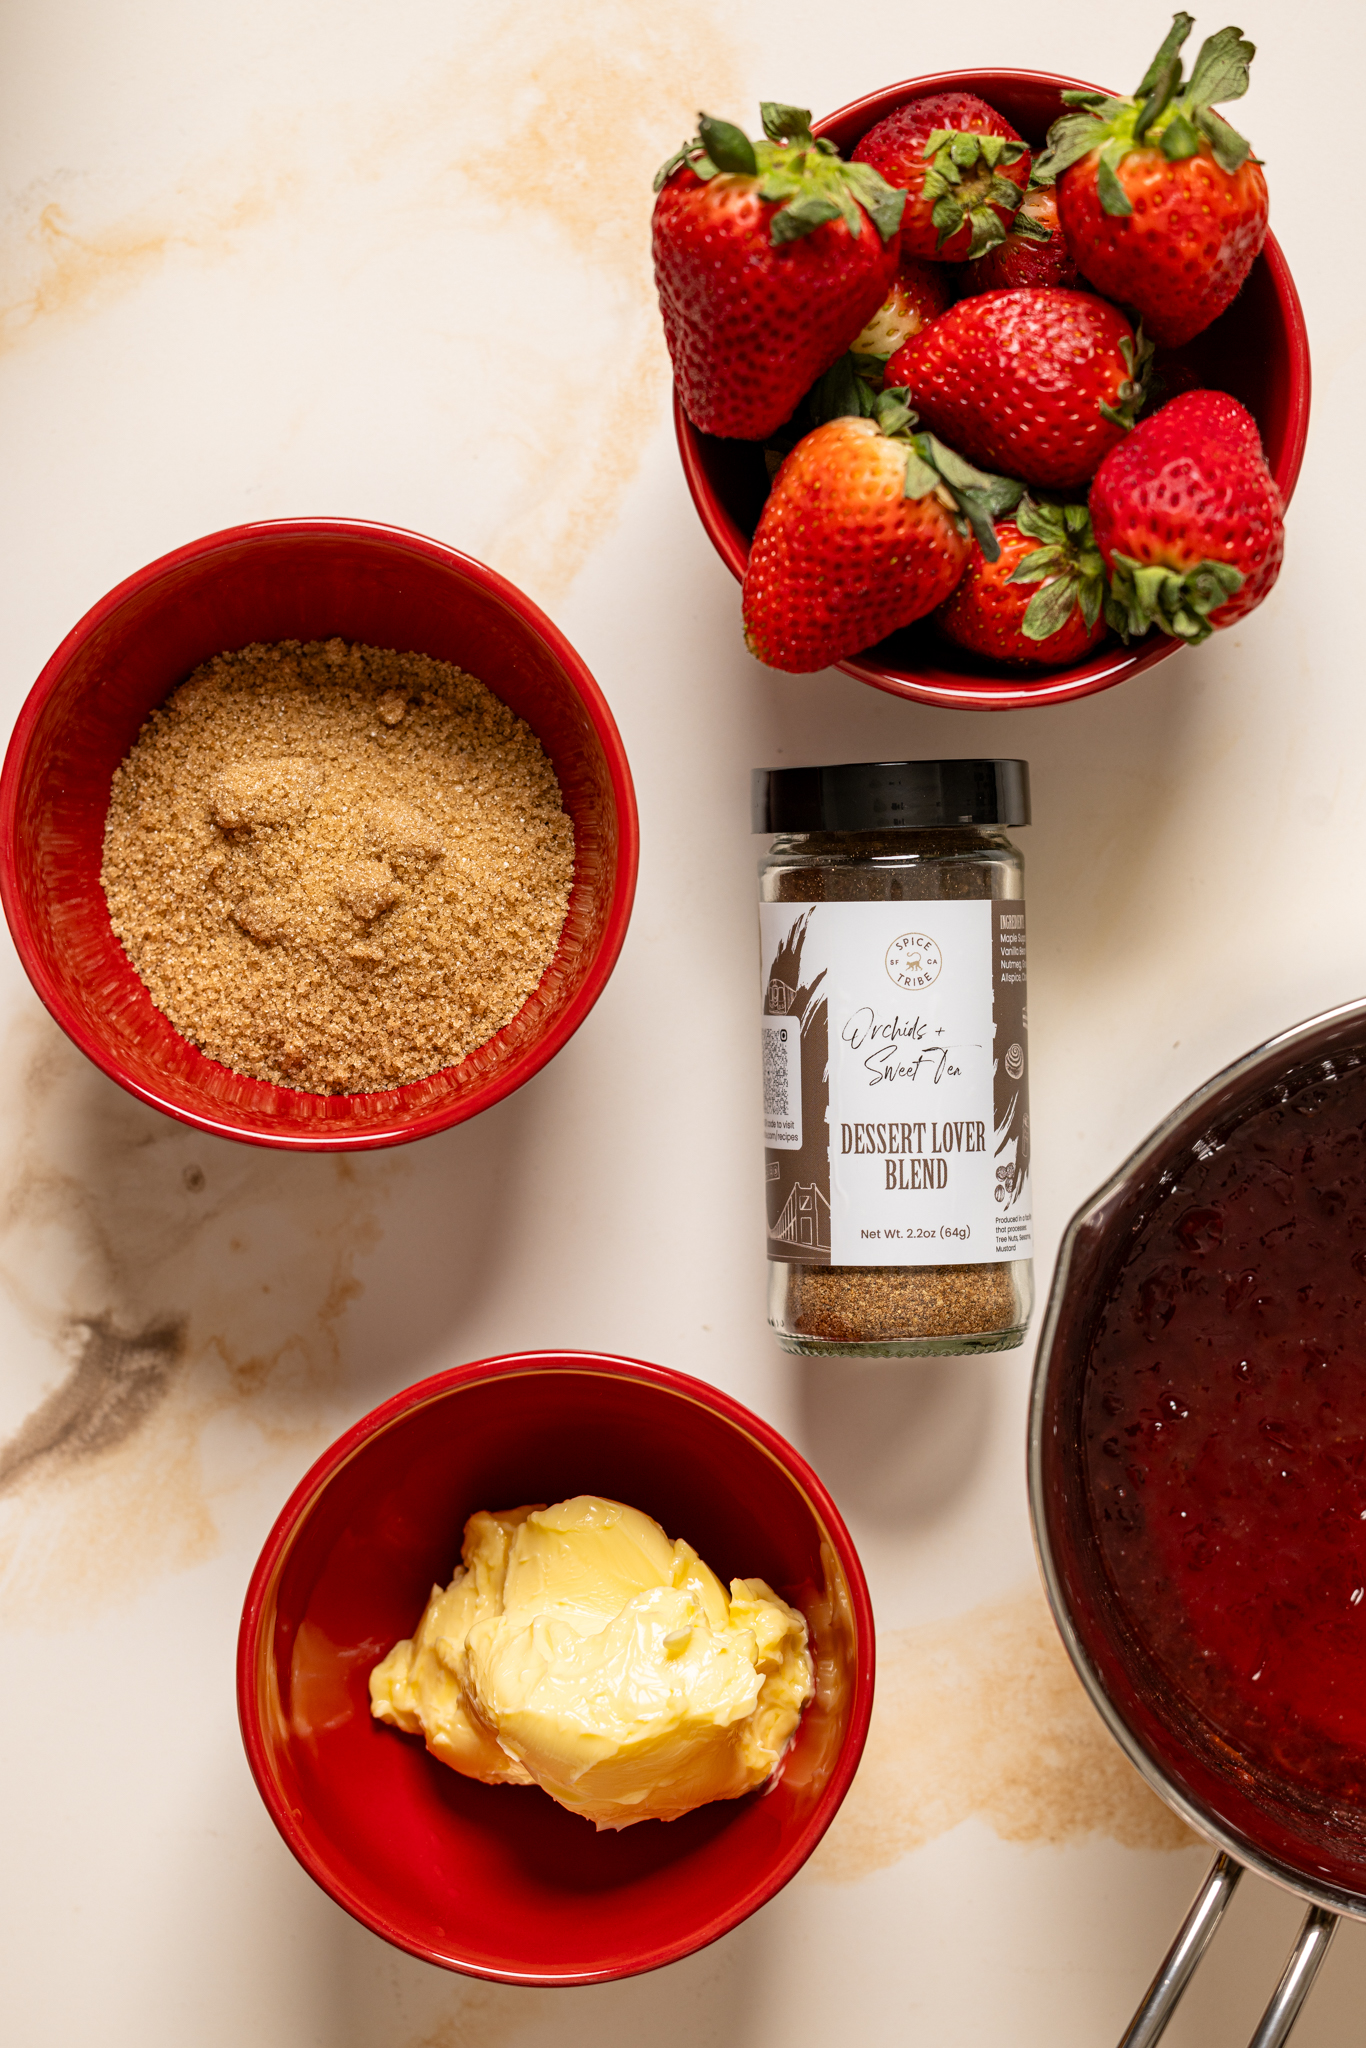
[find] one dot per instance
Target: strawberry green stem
(1144, 594)
(1179, 119)
(978, 497)
(1067, 564)
(800, 174)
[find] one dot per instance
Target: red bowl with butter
(498, 1880)
(300, 579)
(1257, 349)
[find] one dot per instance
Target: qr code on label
(782, 1040)
(776, 1104)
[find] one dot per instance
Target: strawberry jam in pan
(1224, 1443)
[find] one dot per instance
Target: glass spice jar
(895, 1057)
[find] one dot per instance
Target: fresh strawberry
(1042, 599)
(1215, 415)
(1040, 383)
(920, 293)
(769, 257)
(869, 525)
(1188, 519)
(1162, 203)
(962, 166)
(1032, 254)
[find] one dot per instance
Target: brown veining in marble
(189, 1294)
(547, 131)
(119, 1378)
(983, 1717)
(582, 129)
(57, 266)
(491, 2016)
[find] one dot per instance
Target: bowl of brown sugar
(316, 833)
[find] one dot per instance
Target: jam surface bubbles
(1225, 1435)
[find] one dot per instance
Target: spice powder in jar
(895, 1057)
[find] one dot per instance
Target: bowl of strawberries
(991, 388)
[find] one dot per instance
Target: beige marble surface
(390, 261)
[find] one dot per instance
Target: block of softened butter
(579, 1649)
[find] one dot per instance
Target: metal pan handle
(1149, 2023)
(1305, 1960)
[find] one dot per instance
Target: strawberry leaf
(893, 412)
(1041, 522)
(1133, 392)
(987, 232)
(941, 178)
(848, 389)
(921, 479)
(1069, 566)
(978, 513)
(778, 185)
(802, 217)
(1113, 197)
(978, 497)
(948, 217)
(981, 497)
(1179, 139)
(1144, 594)
(1163, 113)
(1221, 69)
(694, 156)
(1032, 568)
(785, 124)
(1182, 24)
(1050, 608)
(1159, 98)
(1003, 192)
(1230, 150)
(882, 202)
(1029, 229)
(1071, 138)
(728, 147)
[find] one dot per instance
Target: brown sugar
(337, 867)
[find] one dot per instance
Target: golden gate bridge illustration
(805, 1219)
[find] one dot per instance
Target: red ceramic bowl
(1257, 349)
(300, 579)
(492, 1879)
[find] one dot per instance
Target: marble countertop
(391, 262)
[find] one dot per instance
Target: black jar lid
(890, 796)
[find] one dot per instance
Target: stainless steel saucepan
(1252, 1820)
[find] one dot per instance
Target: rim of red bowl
(257, 1617)
(944, 687)
(505, 1079)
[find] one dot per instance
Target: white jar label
(896, 1083)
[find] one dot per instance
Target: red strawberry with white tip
(963, 169)
(1041, 383)
(1042, 600)
(920, 293)
(1188, 519)
(1161, 201)
(868, 526)
(769, 257)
